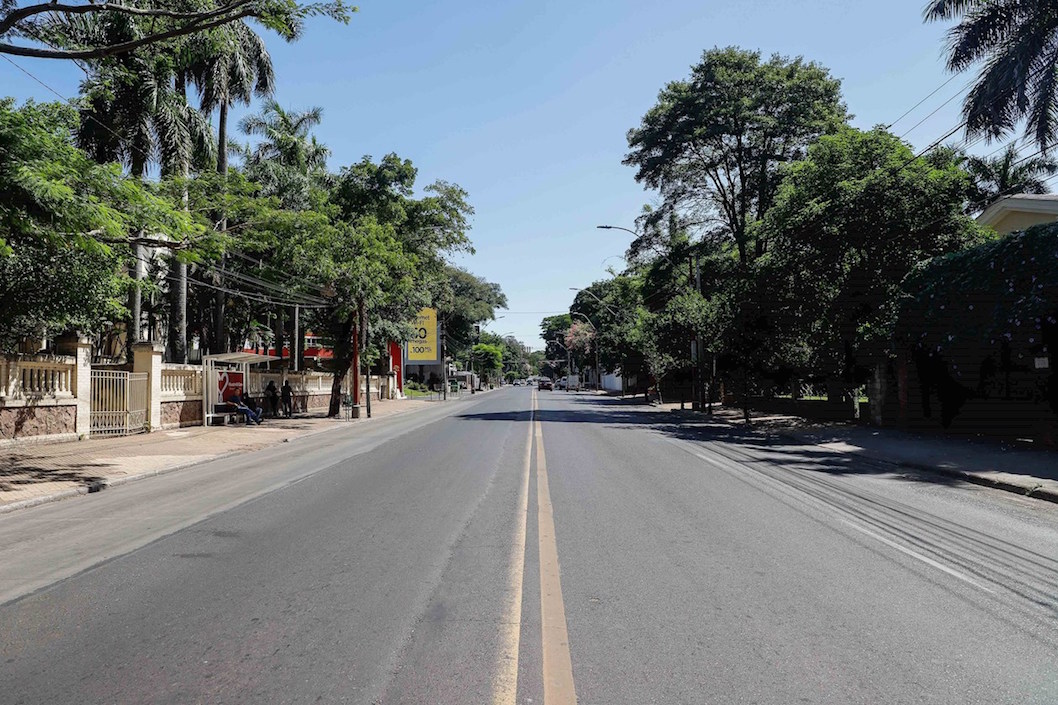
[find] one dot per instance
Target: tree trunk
(346, 360)
(222, 139)
(135, 299)
(745, 396)
(178, 312)
(280, 333)
(365, 336)
(219, 297)
(220, 301)
(138, 171)
(178, 284)
(335, 406)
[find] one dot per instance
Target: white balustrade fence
(181, 382)
(302, 382)
(35, 379)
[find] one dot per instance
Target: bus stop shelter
(223, 376)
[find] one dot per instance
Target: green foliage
(1005, 175)
(47, 289)
(488, 360)
(554, 327)
(852, 220)
(464, 300)
(1013, 41)
(967, 305)
(80, 32)
(713, 144)
(50, 191)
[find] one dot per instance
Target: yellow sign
(423, 347)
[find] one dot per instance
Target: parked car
(545, 384)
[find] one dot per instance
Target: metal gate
(119, 402)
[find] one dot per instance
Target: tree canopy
(713, 143)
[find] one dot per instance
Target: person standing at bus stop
(272, 398)
(287, 395)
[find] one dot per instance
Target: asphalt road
(485, 552)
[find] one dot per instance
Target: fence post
(147, 357)
(80, 348)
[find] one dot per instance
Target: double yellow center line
(557, 665)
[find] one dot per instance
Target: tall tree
(713, 144)
(134, 112)
(67, 224)
(233, 66)
(287, 160)
(1015, 40)
(464, 300)
(853, 219)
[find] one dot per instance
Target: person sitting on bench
(248, 412)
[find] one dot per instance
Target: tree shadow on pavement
(754, 445)
(23, 470)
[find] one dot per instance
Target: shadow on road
(745, 445)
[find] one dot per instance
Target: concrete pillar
(80, 349)
(147, 357)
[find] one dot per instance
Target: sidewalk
(982, 461)
(38, 473)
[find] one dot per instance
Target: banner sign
(424, 348)
(228, 385)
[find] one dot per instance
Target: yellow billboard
(423, 347)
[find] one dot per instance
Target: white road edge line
(925, 559)
(892, 544)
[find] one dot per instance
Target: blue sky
(526, 105)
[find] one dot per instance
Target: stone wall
(186, 412)
(38, 420)
(311, 401)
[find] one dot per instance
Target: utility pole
(366, 337)
(297, 339)
(444, 362)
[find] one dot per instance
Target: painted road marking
(892, 544)
(558, 666)
(925, 559)
(505, 682)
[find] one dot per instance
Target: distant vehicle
(573, 382)
(545, 383)
(517, 383)
(561, 383)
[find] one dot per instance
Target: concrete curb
(117, 481)
(1033, 491)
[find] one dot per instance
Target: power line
(913, 107)
(935, 110)
(72, 102)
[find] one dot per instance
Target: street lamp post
(569, 362)
(699, 382)
(612, 310)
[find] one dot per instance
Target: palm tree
(234, 67)
(286, 137)
(285, 162)
(288, 157)
(1015, 40)
(1004, 175)
(133, 112)
(228, 65)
